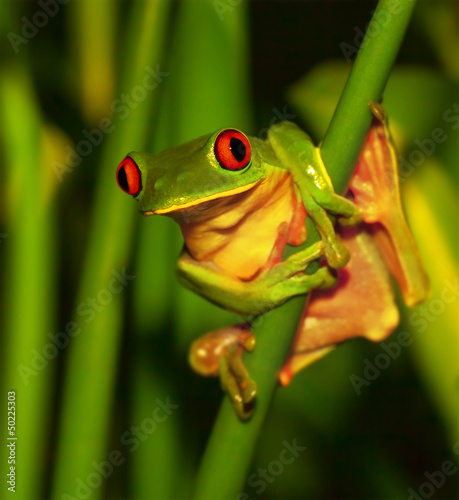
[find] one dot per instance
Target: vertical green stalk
(93, 36)
(230, 448)
(27, 249)
(366, 82)
(92, 363)
(27, 364)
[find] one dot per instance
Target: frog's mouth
(199, 201)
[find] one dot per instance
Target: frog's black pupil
(238, 149)
(122, 179)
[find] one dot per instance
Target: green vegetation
(94, 328)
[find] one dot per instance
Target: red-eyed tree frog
(240, 200)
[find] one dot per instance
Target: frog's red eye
(232, 149)
(128, 177)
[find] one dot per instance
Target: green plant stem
(366, 82)
(30, 278)
(230, 448)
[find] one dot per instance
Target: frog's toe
(353, 220)
(236, 382)
(248, 343)
(329, 278)
(337, 254)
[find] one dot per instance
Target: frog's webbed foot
(236, 381)
(219, 353)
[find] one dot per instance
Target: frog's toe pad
(337, 254)
(329, 278)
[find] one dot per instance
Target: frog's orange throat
(245, 233)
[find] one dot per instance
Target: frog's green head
(208, 168)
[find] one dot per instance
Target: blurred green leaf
(93, 36)
(29, 355)
(92, 364)
(440, 22)
(430, 199)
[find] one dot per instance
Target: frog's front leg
(219, 353)
(271, 288)
(299, 155)
(336, 252)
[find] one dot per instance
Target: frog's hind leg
(219, 353)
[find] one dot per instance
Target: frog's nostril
(128, 177)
